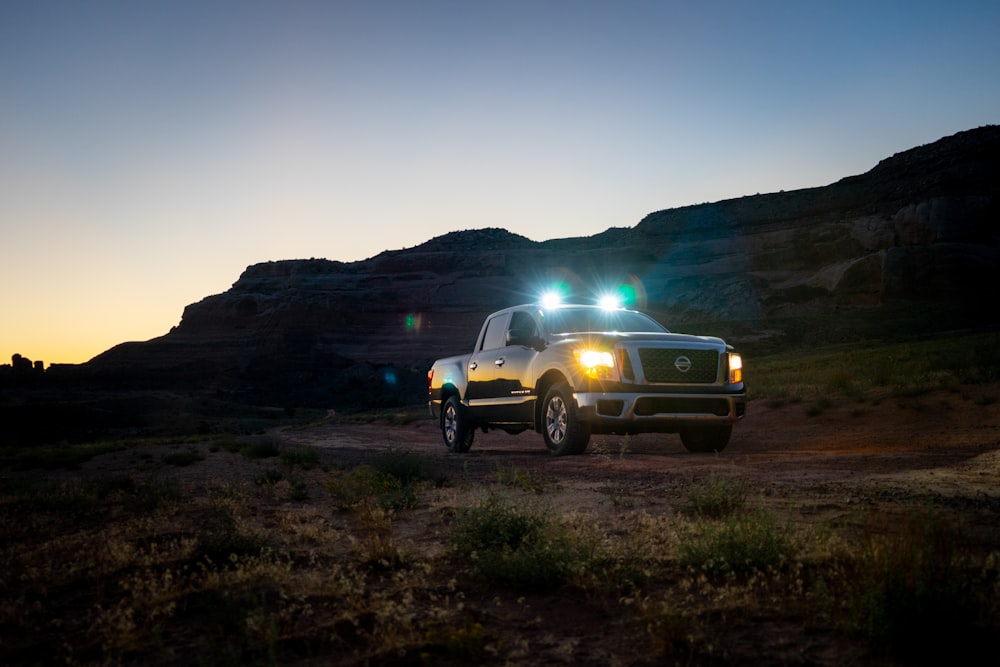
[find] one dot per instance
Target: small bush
(270, 477)
(304, 457)
(406, 467)
(221, 541)
(716, 497)
(911, 589)
(515, 546)
(461, 644)
(518, 478)
(741, 544)
(366, 484)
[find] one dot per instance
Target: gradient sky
(150, 151)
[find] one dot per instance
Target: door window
(495, 336)
(522, 329)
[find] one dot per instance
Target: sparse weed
(270, 477)
(516, 477)
(716, 497)
(910, 587)
(606, 450)
(403, 465)
(367, 485)
(222, 540)
(901, 369)
(516, 546)
(619, 493)
(306, 458)
(741, 544)
(461, 643)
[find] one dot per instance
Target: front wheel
(564, 433)
(455, 428)
(706, 439)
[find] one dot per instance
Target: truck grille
(664, 365)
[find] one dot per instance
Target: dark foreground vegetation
(215, 540)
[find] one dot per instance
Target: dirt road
(946, 443)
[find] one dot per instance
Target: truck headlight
(735, 368)
(596, 363)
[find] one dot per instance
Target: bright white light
(609, 302)
(595, 358)
(551, 299)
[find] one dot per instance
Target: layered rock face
(917, 234)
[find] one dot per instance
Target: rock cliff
(913, 244)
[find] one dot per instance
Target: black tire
(564, 433)
(706, 439)
(455, 428)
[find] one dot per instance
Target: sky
(151, 151)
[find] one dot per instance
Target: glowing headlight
(596, 363)
(595, 358)
(735, 368)
(551, 299)
(610, 302)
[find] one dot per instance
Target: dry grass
(390, 562)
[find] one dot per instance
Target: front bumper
(621, 412)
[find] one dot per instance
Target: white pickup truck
(573, 370)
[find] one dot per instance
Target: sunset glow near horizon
(150, 152)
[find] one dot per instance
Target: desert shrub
(513, 476)
(406, 467)
(269, 477)
(304, 457)
(716, 497)
(367, 485)
(742, 543)
(909, 589)
(222, 541)
(517, 546)
(463, 642)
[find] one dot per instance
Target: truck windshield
(581, 320)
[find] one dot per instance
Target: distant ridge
(908, 246)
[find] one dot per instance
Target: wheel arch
(545, 382)
(447, 391)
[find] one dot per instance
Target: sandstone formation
(913, 243)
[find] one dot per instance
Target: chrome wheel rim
(555, 420)
(450, 425)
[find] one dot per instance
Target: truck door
(514, 381)
(481, 392)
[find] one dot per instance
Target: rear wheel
(563, 432)
(455, 427)
(706, 439)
